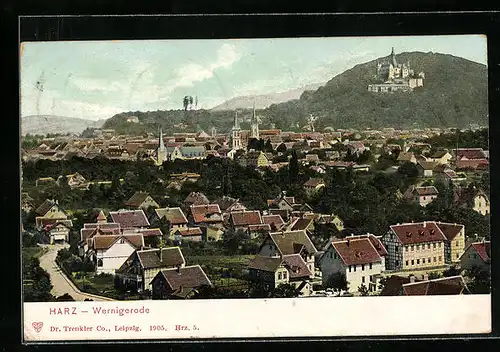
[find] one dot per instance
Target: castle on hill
(393, 76)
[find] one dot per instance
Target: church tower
(161, 152)
(393, 58)
(254, 133)
(236, 134)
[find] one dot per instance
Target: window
(406, 248)
(258, 273)
(434, 245)
(397, 263)
(362, 267)
(270, 246)
(397, 249)
(412, 262)
(371, 278)
(370, 265)
(423, 260)
(456, 243)
(362, 279)
(122, 240)
(418, 261)
(412, 247)
(439, 245)
(407, 263)
(349, 268)
(335, 255)
(424, 197)
(418, 247)
(279, 275)
(284, 275)
(457, 255)
(429, 260)
(331, 255)
(428, 246)
(99, 262)
(434, 259)
(440, 259)
(354, 266)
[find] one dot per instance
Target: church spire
(161, 146)
(393, 58)
(236, 125)
(254, 133)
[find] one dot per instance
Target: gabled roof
(225, 202)
(144, 232)
(296, 266)
(421, 232)
(105, 242)
(174, 215)
(301, 224)
(483, 249)
(470, 153)
(314, 182)
(426, 191)
(192, 231)
(45, 207)
(275, 219)
(428, 165)
(101, 216)
(439, 154)
(481, 164)
(196, 198)
(377, 244)
(453, 285)
(245, 218)
(203, 213)
(288, 242)
(48, 223)
(450, 230)
(130, 218)
(356, 251)
(90, 232)
(188, 277)
(137, 199)
(150, 258)
(269, 264)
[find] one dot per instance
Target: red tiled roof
(472, 164)
(204, 213)
(87, 233)
(105, 242)
(296, 266)
(192, 231)
(275, 219)
(130, 218)
(375, 242)
(186, 277)
(245, 218)
(426, 191)
(412, 233)
(450, 230)
(356, 251)
(483, 250)
(470, 153)
(260, 227)
(453, 285)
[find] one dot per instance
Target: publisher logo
(37, 325)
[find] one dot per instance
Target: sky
(98, 79)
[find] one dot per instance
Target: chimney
(412, 278)
(425, 223)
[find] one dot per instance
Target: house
(213, 232)
(228, 204)
(406, 157)
(205, 215)
(447, 175)
(175, 216)
(129, 219)
(469, 154)
(441, 157)
(76, 181)
(425, 168)
(424, 195)
(142, 266)
(178, 283)
(282, 202)
(50, 209)
(27, 203)
(361, 259)
(255, 159)
(259, 230)
(270, 272)
(195, 198)
(185, 152)
(477, 255)
(275, 221)
(423, 245)
(473, 198)
(57, 230)
(188, 234)
(302, 224)
(476, 164)
(312, 158)
(109, 252)
(241, 220)
(313, 185)
(42, 181)
(141, 200)
(278, 244)
(453, 285)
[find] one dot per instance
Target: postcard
(255, 188)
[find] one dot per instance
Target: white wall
(114, 257)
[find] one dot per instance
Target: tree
(363, 290)
(65, 297)
(293, 167)
(337, 281)
(451, 271)
(434, 275)
(285, 291)
(268, 147)
(480, 281)
(409, 171)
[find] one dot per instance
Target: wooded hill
(455, 94)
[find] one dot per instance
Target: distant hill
(43, 124)
(264, 100)
(455, 94)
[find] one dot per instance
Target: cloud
(87, 84)
(191, 73)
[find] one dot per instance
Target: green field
(222, 269)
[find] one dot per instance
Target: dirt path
(61, 284)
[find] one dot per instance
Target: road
(61, 284)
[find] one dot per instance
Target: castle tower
(236, 134)
(161, 152)
(254, 133)
(393, 58)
